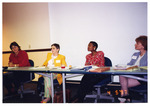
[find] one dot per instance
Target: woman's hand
(101, 69)
(10, 64)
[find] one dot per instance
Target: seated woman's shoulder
(100, 52)
(136, 53)
(88, 54)
(22, 51)
(49, 53)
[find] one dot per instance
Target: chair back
(32, 76)
(103, 82)
(108, 79)
(31, 62)
(107, 61)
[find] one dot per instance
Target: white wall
(114, 26)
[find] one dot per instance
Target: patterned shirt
(97, 59)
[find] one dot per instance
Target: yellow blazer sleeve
(63, 61)
(59, 76)
(48, 58)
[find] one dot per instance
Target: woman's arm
(64, 61)
(102, 60)
(25, 60)
(101, 69)
(10, 64)
(46, 61)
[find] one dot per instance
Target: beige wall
(28, 25)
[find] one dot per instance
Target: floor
(35, 98)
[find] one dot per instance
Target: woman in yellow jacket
(54, 59)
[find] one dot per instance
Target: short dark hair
(143, 40)
(14, 44)
(94, 44)
(56, 45)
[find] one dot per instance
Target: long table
(67, 73)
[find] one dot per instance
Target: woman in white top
(54, 59)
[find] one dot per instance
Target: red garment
(97, 59)
(21, 59)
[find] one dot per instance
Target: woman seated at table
(139, 59)
(18, 58)
(89, 80)
(54, 59)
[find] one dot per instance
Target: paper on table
(85, 68)
(125, 67)
(37, 67)
(144, 67)
(11, 67)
